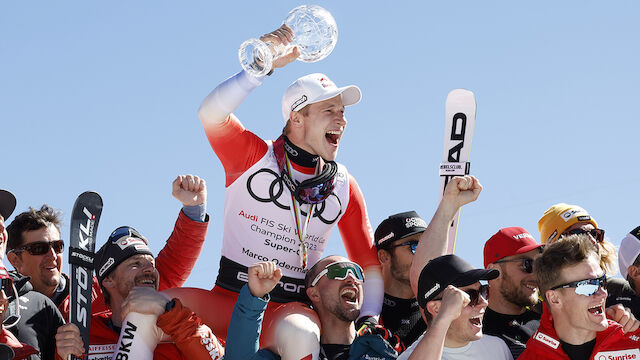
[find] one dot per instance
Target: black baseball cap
(123, 243)
(398, 226)
(7, 203)
(448, 270)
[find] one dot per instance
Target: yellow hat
(559, 218)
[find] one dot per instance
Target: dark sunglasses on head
(40, 247)
(474, 295)
(585, 287)
(339, 271)
(597, 234)
(412, 243)
(526, 266)
(125, 231)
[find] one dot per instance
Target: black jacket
(39, 319)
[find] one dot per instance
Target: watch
(170, 305)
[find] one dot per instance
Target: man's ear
(313, 294)
(553, 299)
(633, 271)
(433, 307)
(296, 119)
(383, 256)
(108, 282)
(16, 261)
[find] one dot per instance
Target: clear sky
(103, 95)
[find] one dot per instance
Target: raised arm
(433, 241)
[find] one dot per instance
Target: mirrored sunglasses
(40, 247)
(597, 234)
(340, 271)
(125, 231)
(587, 287)
(412, 243)
(526, 266)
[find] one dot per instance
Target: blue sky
(104, 96)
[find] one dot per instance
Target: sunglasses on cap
(585, 287)
(597, 234)
(339, 271)
(123, 231)
(40, 247)
(526, 266)
(412, 243)
(474, 295)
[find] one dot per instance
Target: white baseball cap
(629, 251)
(314, 88)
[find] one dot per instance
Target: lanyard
(301, 223)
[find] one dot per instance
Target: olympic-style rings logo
(276, 190)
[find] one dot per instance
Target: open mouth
(532, 287)
(596, 310)
(147, 281)
(350, 295)
(333, 136)
(476, 321)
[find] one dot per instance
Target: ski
(84, 225)
(460, 119)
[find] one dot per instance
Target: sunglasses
(597, 234)
(474, 295)
(123, 231)
(40, 247)
(339, 271)
(585, 287)
(526, 266)
(412, 243)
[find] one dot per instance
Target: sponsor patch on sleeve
(630, 354)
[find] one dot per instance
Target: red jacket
(21, 351)
(174, 262)
(611, 343)
(191, 339)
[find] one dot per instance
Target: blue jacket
(246, 322)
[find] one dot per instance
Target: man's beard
(400, 272)
(513, 293)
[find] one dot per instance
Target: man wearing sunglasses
(574, 324)
(126, 270)
(32, 317)
(334, 287)
(35, 245)
(510, 314)
(283, 198)
(396, 239)
(453, 302)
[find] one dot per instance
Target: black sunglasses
(526, 266)
(597, 234)
(474, 295)
(585, 287)
(41, 247)
(412, 243)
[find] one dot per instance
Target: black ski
(84, 226)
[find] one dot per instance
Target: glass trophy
(315, 33)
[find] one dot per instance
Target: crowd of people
(398, 295)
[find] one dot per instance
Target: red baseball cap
(507, 242)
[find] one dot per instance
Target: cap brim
(473, 276)
(7, 203)
(350, 95)
(527, 248)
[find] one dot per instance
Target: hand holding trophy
(315, 33)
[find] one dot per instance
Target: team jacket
(191, 339)
(258, 223)
(611, 344)
(174, 262)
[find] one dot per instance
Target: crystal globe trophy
(315, 33)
